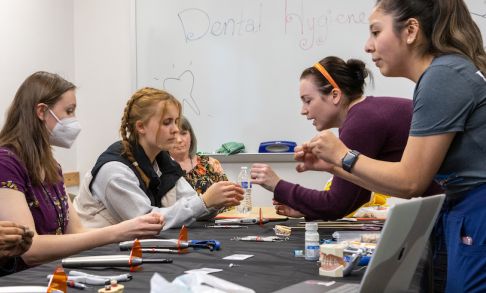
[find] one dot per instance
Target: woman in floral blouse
(201, 171)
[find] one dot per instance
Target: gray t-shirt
(450, 96)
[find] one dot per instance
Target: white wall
(102, 53)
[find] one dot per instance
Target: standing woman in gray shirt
(437, 45)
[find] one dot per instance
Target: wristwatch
(349, 160)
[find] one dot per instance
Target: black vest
(158, 186)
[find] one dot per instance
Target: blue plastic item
(277, 146)
(211, 244)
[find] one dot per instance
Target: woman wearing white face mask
(31, 185)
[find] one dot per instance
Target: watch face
(349, 160)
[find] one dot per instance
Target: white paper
(238, 256)
(203, 270)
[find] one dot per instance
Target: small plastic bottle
(312, 248)
(245, 182)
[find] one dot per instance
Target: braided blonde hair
(141, 107)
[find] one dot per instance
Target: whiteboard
(235, 65)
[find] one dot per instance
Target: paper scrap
(238, 256)
(203, 270)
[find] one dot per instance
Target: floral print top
(48, 203)
(206, 172)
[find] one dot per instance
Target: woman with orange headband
(332, 96)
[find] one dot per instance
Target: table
(272, 267)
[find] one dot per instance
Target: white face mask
(65, 131)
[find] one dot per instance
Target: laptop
(401, 245)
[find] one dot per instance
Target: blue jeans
(464, 232)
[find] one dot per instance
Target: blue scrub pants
(464, 227)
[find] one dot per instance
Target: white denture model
(332, 260)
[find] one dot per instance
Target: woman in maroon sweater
(332, 96)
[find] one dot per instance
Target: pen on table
(76, 285)
(237, 221)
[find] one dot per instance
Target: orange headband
(326, 75)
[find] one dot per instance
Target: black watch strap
(349, 160)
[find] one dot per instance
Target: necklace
(57, 205)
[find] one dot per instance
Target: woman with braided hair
(32, 191)
(136, 175)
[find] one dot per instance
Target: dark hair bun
(358, 68)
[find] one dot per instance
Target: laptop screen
(401, 245)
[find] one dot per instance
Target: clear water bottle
(312, 246)
(245, 182)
